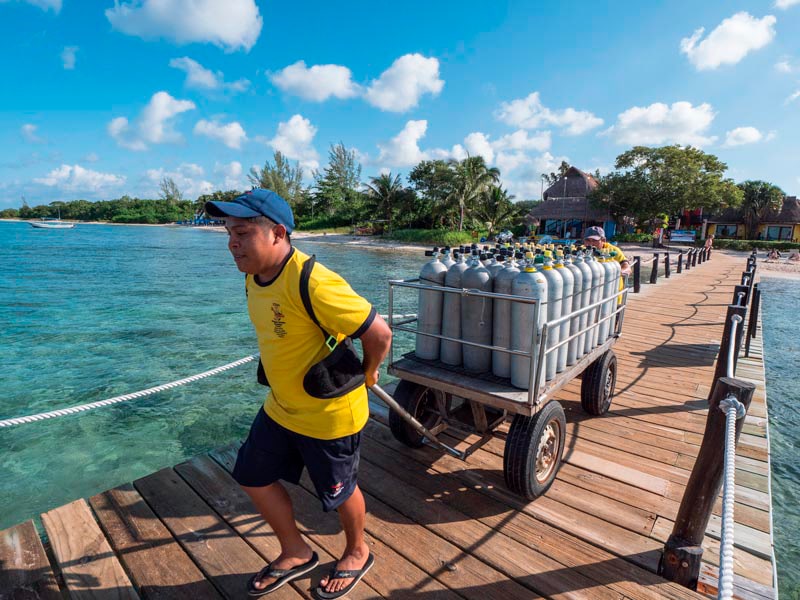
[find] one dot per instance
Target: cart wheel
(533, 450)
(421, 403)
(597, 388)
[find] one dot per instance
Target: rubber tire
(594, 399)
(411, 396)
(522, 443)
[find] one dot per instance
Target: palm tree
(385, 190)
(759, 198)
(472, 178)
(495, 208)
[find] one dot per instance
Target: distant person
(310, 419)
(794, 256)
(709, 242)
(773, 254)
(596, 238)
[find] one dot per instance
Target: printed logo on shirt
(278, 320)
(337, 489)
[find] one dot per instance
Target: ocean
(101, 310)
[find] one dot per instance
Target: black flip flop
(283, 576)
(320, 593)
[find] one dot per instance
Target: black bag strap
(305, 275)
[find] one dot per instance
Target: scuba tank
(447, 259)
(577, 304)
(566, 308)
(598, 279)
(609, 289)
(586, 294)
(501, 319)
(531, 284)
(429, 312)
(476, 318)
(617, 287)
(495, 265)
(555, 292)
(450, 352)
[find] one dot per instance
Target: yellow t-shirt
(290, 343)
(609, 248)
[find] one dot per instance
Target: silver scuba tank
(531, 284)
(598, 280)
(447, 257)
(495, 265)
(429, 311)
(476, 318)
(555, 292)
(577, 303)
(450, 352)
(566, 308)
(614, 287)
(608, 290)
(586, 294)
(501, 319)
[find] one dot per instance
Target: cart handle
(419, 427)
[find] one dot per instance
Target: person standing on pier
(596, 238)
(303, 315)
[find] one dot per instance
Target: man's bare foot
(286, 560)
(351, 561)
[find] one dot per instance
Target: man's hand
(375, 342)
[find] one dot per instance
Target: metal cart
(432, 397)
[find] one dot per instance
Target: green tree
(336, 188)
(471, 177)
(281, 177)
(432, 180)
(385, 192)
(553, 177)
(495, 209)
(759, 198)
(649, 181)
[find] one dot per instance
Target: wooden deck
(442, 528)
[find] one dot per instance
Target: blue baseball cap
(594, 232)
(255, 203)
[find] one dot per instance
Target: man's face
(594, 242)
(255, 248)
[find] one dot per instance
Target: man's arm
(625, 267)
(375, 342)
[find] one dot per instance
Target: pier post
(752, 323)
(743, 292)
(700, 256)
(689, 258)
(694, 257)
(637, 274)
(666, 265)
(654, 272)
(683, 551)
(680, 261)
(721, 369)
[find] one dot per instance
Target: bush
(637, 238)
(323, 222)
(430, 237)
(745, 245)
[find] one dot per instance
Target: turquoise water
(782, 352)
(98, 311)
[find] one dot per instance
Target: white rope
(733, 410)
(117, 399)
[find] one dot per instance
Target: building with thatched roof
(565, 211)
(783, 224)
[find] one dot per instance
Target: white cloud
(231, 25)
(745, 135)
(198, 77)
(75, 178)
(478, 144)
(54, 5)
(784, 4)
(658, 123)
(527, 183)
(91, 157)
(530, 113)
(155, 124)
(316, 83)
(231, 174)
(507, 152)
(231, 134)
(28, 132)
(68, 57)
(403, 149)
(294, 139)
(783, 66)
(792, 98)
(730, 42)
(188, 177)
(400, 87)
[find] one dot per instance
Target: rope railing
(62, 412)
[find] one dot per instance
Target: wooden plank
(25, 572)
(157, 565)
(224, 495)
(225, 558)
(88, 565)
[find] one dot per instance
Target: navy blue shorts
(272, 452)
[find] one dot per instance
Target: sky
(102, 98)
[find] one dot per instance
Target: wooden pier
(442, 528)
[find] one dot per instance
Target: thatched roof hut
(567, 199)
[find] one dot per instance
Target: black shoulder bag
(338, 373)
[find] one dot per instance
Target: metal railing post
(666, 265)
(694, 258)
(654, 272)
(680, 261)
(721, 369)
(689, 258)
(637, 274)
(752, 323)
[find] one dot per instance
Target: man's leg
(352, 514)
(275, 505)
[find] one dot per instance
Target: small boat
(52, 223)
